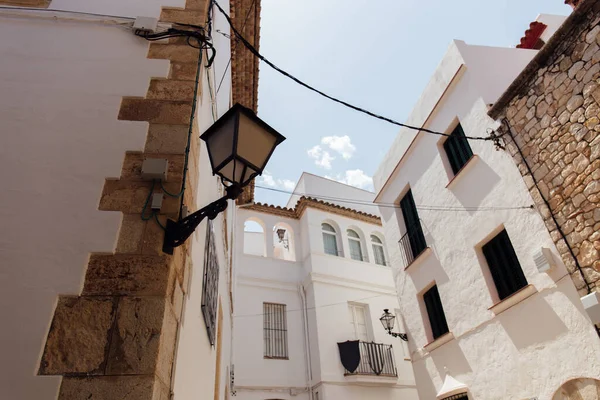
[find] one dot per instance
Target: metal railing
(412, 244)
(375, 359)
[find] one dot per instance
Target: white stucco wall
(328, 190)
(330, 283)
(61, 85)
(528, 350)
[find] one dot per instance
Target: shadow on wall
(450, 356)
(423, 380)
(532, 322)
(479, 181)
(428, 271)
(580, 388)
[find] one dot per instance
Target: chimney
(573, 3)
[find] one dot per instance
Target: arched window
(378, 250)
(329, 239)
(254, 237)
(355, 247)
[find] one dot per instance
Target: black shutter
(457, 149)
(435, 311)
(413, 225)
(504, 265)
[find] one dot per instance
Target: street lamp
(387, 320)
(239, 146)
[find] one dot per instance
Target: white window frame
(335, 235)
(352, 307)
(378, 245)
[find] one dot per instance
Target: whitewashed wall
(330, 282)
(61, 85)
(533, 347)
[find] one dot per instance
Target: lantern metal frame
(177, 232)
(388, 316)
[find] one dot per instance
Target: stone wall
(553, 110)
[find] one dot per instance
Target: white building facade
(69, 72)
(489, 307)
(315, 276)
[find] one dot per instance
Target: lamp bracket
(402, 336)
(177, 232)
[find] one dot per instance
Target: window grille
(457, 149)
(210, 284)
(504, 265)
(275, 331)
(435, 311)
(462, 396)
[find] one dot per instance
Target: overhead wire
(392, 205)
(492, 136)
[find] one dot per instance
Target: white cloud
(341, 144)
(267, 179)
(322, 158)
(354, 177)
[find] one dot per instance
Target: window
(504, 265)
(378, 250)
(329, 239)
(413, 242)
(358, 320)
(435, 311)
(355, 247)
(457, 149)
(210, 284)
(275, 331)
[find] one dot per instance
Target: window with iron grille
(435, 312)
(210, 284)
(275, 331)
(457, 149)
(504, 265)
(462, 396)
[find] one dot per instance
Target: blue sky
(377, 54)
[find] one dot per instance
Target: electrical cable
(391, 205)
(252, 49)
(202, 41)
(235, 45)
(321, 306)
(148, 201)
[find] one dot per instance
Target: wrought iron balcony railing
(375, 359)
(412, 244)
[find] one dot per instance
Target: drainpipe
(302, 293)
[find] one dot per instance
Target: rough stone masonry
(553, 110)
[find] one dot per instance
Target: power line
(492, 135)
(314, 308)
(392, 205)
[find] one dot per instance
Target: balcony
(412, 244)
(376, 359)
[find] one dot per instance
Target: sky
(376, 54)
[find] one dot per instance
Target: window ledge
(442, 340)
(423, 255)
(513, 299)
(468, 164)
(275, 358)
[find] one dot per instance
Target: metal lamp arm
(177, 232)
(402, 336)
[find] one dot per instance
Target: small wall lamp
(387, 320)
(239, 146)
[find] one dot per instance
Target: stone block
(166, 139)
(152, 239)
(196, 5)
(178, 53)
(135, 340)
(184, 71)
(170, 89)
(168, 338)
(108, 388)
(130, 234)
(130, 196)
(26, 3)
(588, 254)
(121, 274)
(132, 166)
(78, 337)
(170, 14)
(155, 111)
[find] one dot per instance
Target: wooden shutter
(435, 311)
(457, 149)
(413, 225)
(504, 265)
